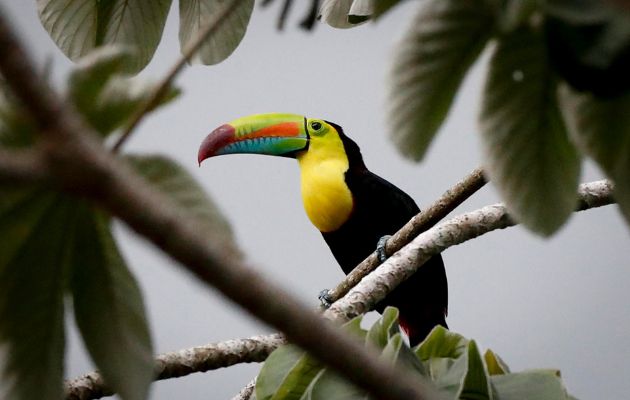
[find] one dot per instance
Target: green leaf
(443, 41)
(33, 263)
(194, 15)
(476, 384)
(78, 26)
(383, 6)
(286, 374)
(539, 385)
(336, 13)
(17, 129)
(109, 309)
(528, 155)
(360, 11)
(330, 386)
(601, 129)
(384, 328)
(175, 182)
(354, 327)
(106, 96)
(494, 363)
(516, 13)
(397, 351)
(442, 343)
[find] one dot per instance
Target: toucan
(352, 207)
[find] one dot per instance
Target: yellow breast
(326, 197)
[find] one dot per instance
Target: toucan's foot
(380, 248)
(324, 298)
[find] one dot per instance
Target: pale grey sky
(559, 303)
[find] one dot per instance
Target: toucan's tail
(417, 325)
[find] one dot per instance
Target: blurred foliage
(55, 247)
(535, 46)
(557, 87)
(79, 26)
(454, 364)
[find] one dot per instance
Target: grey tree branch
(184, 362)
(438, 210)
(374, 287)
(80, 165)
(450, 233)
(246, 392)
(209, 29)
(450, 200)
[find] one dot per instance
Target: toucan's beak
(272, 134)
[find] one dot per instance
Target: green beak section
(271, 134)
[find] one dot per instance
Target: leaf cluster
(58, 250)
(78, 27)
(557, 88)
(454, 364)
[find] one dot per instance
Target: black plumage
(380, 208)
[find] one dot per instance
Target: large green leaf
(33, 262)
(528, 155)
(194, 15)
(109, 309)
(384, 328)
(106, 96)
(175, 182)
(282, 368)
(442, 343)
(539, 385)
(494, 363)
(601, 128)
(443, 41)
(330, 386)
(517, 13)
(476, 384)
(78, 26)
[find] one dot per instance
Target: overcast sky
(558, 303)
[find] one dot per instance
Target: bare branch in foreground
(21, 166)
(424, 220)
(81, 166)
(374, 287)
(208, 30)
(185, 362)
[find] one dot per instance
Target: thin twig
(247, 391)
(153, 101)
(184, 362)
(450, 200)
(81, 167)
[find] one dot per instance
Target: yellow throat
(326, 197)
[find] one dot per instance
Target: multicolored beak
(271, 134)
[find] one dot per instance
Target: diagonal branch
(81, 166)
(22, 166)
(400, 266)
(424, 220)
(449, 233)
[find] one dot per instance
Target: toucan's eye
(316, 125)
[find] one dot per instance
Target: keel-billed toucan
(352, 207)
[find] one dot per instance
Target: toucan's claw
(380, 248)
(325, 299)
